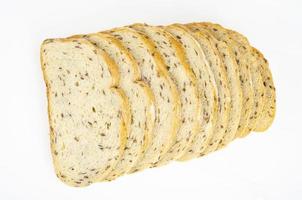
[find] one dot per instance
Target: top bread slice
(264, 113)
(186, 82)
(207, 43)
(89, 117)
(167, 100)
(207, 88)
(232, 73)
(140, 98)
(244, 74)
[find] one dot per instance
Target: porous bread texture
(186, 82)
(263, 101)
(167, 100)
(212, 55)
(244, 74)
(232, 72)
(206, 86)
(88, 116)
(140, 98)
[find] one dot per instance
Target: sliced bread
(269, 110)
(263, 100)
(167, 100)
(232, 73)
(180, 71)
(141, 100)
(247, 55)
(89, 118)
(207, 43)
(207, 88)
(244, 74)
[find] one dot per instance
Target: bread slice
(212, 55)
(252, 62)
(89, 117)
(167, 100)
(207, 88)
(262, 94)
(269, 110)
(244, 74)
(186, 82)
(232, 73)
(141, 100)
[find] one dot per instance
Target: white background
(261, 166)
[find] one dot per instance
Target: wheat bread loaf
(167, 100)
(232, 73)
(140, 96)
(141, 100)
(186, 82)
(89, 118)
(207, 88)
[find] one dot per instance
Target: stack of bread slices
(140, 96)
